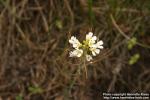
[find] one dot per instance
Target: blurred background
(34, 60)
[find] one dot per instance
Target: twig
(85, 67)
(123, 34)
(71, 15)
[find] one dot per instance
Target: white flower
(75, 42)
(88, 48)
(95, 48)
(99, 44)
(90, 38)
(89, 57)
(95, 51)
(76, 53)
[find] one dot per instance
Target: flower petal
(75, 42)
(100, 47)
(88, 58)
(97, 51)
(76, 53)
(89, 35)
(79, 53)
(93, 52)
(94, 38)
(100, 42)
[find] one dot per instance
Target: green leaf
(91, 12)
(35, 89)
(19, 97)
(131, 43)
(134, 59)
(59, 24)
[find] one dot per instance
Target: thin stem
(123, 34)
(78, 72)
(91, 13)
(84, 65)
(74, 78)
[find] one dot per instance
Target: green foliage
(59, 24)
(2, 2)
(113, 3)
(91, 13)
(35, 89)
(19, 97)
(134, 59)
(132, 42)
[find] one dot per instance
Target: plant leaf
(131, 43)
(134, 59)
(35, 89)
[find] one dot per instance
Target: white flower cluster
(90, 47)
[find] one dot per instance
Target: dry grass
(34, 62)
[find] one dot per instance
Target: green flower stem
(72, 82)
(78, 72)
(84, 61)
(84, 66)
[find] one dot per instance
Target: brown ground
(34, 61)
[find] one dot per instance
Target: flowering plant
(88, 48)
